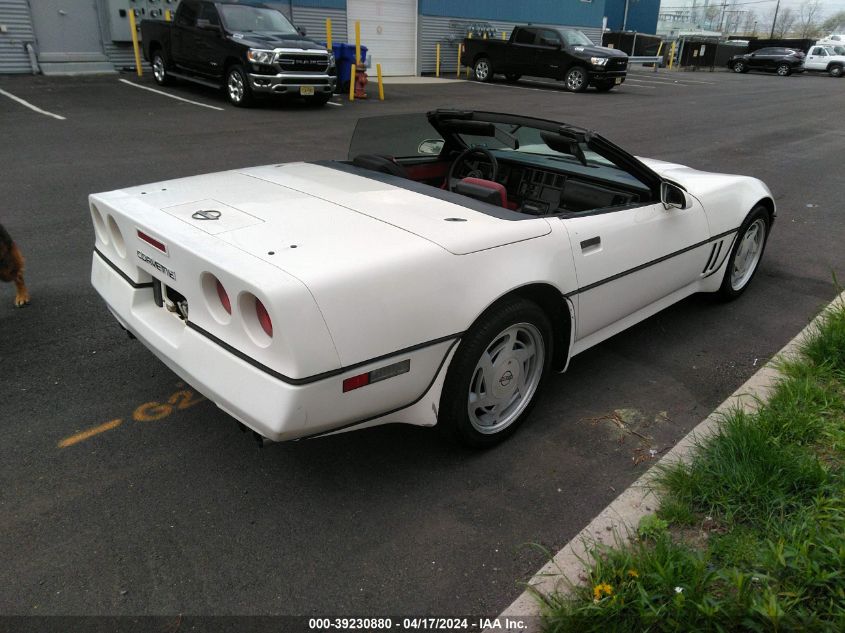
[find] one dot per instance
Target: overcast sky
(760, 7)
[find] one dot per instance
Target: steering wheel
(484, 166)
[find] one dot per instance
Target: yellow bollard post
(503, 36)
(458, 71)
(352, 83)
(380, 84)
(168, 15)
(659, 49)
(485, 35)
(671, 56)
(358, 43)
(137, 50)
(329, 34)
(437, 64)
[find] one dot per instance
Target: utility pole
(774, 21)
(625, 19)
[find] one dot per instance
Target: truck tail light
(263, 318)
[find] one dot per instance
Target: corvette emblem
(206, 214)
(506, 378)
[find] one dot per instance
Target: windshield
(247, 19)
(575, 38)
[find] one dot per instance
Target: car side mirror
(431, 146)
(301, 30)
(673, 197)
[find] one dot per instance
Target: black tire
(730, 289)
(161, 69)
(527, 323)
(835, 71)
(576, 79)
(319, 100)
(237, 87)
(740, 67)
(483, 70)
(605, 86)
(784, 70)
(512, 77)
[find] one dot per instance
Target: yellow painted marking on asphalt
(148, 412)
(84, 435)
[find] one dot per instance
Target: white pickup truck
(825, 59)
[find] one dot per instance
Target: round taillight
(224, 297)
(263, 318)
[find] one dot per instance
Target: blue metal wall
(571, 12)
(642, 15)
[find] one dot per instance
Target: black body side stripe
(647, 264)
(126, 278)
(315, 377)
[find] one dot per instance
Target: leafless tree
(784, 23)
(834, 24)
(809, 13)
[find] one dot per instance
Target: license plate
(618, 80)
(306, 91)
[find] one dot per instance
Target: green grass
(750, 533)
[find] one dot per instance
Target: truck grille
(303, 63)
(617, 64)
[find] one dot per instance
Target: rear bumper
(290, 84)
(275, 407)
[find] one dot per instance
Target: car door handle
(591, 244)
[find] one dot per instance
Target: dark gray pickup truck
(244, 47)
(547, 51)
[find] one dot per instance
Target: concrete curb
(622, 516)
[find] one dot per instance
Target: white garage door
(389, 31)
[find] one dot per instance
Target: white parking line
(30, 106)
(656, 83)
(553, 87)
(340, 105)
(160, 92)
(670, 79)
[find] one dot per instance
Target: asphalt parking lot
(125, 493)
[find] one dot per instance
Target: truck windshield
(247, 19)
(575, 38)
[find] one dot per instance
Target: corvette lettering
(159, 267)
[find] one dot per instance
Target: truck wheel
(513, 78)
(483, 70)
(237, 87)
(576, 79)
(493, 379)
(835, 71)
(784, 70)
(605, 86)
(160, 74)
(739, 67)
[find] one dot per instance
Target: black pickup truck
(246, 48)
(547, 51)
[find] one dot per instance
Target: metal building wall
(15, 16)
(450, 31)
(314, 21)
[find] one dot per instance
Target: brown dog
(11, 267)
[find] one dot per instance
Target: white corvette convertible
(436, 277)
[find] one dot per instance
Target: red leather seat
(493, 186)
